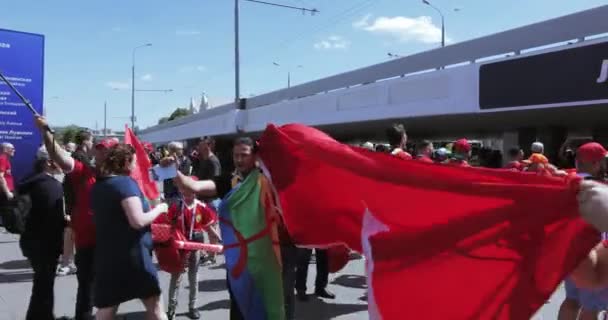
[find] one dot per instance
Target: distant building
(204, 102)
(99, 134)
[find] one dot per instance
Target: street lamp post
(133, 84)
(442, 21)
(237, 64)
(288, 73)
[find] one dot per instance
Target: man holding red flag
(487, 233)
(590, 165)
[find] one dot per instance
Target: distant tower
(204, 102)
(192, 107)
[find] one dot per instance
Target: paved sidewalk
(348, 285)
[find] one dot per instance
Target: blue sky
(89, 45)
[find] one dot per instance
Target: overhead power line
(304, 10)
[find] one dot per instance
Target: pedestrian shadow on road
(316, 308)
(212, 285)
(218, 267)
(15, 264)
(11, 277)
(351, 281)
(216, 305)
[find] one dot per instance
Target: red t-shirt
(82, 178)
(204, 217)
(458, 163)
(424, 159)
(5, 167)
(515, 165)
(400, 153)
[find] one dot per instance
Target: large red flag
(141, 173)
(440, 242)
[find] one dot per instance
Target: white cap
(175, 145)
(42, 154)
(368, 145)
(537, 147)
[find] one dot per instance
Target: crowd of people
(84, 201)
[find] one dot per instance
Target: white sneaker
(66, 270)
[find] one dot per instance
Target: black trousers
(235, 312)
(84, 261)
(43, 296)
(302, 269)
(289, 255)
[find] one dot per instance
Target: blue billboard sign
(22, 63)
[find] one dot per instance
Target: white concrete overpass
(537, 76)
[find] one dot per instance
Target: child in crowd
(193, 218)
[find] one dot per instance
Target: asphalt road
(348, 285)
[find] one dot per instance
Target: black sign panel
(571, 75)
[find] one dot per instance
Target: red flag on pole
(141, 171)
(440, 242)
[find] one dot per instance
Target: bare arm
(57, 154)
(592, 273)
(212, 231)
(135, 213)
(593, 204)
(205, 188)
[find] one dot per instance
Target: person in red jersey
(461, 151)
(516, 156)
(193, 218)
(7, 185)
(82, 175)
(424, 151)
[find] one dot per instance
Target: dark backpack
(15, 213)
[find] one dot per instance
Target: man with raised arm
(82, 176)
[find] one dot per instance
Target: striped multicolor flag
(248, 221)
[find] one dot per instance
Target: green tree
(68, 134)
(163, 120)
(179, 113)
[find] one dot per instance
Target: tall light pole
(105, 118)
(237, 64)
(133, 84)
(288, 73)
(442, 21)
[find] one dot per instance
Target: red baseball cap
(591, 152)
(462, 145)
(106, 143)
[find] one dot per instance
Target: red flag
(441, 242)
(141, 171)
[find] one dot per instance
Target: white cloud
(146, 77)
(118, 85)
(332, 42)
(405, 29)
(188, 69)
(187, 32)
